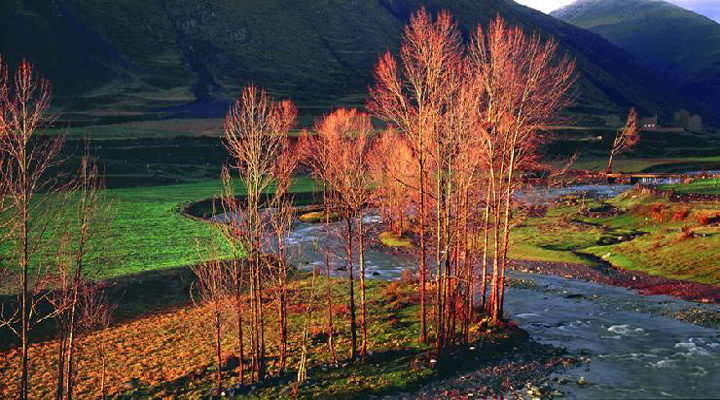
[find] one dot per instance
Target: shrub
(706, 219)
(680, 215)
(687, 232)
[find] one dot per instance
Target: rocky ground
(524, 369)
(636, 280)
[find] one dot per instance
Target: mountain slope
(135, 56)
(675, 41)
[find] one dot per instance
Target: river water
(634, 352)
(631, 350)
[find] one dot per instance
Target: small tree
(235, 233)
(282, 215)
(317, 157)
(78, 262)
(625, 138)
(96, 316)
(212, 283)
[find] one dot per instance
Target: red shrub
(687, 233)
(680, 215)
(706, 220)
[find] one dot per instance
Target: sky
(708, 8)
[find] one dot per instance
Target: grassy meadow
(149, 231)
(642, 233)
(704, 186)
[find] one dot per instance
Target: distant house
(649, 124)
(652, 125)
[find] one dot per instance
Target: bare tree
(414, 97)
(235, 233)
(526, 86)
(78, 262)
(625, 138)
(25, 111)
(212, 283)
(255, 128)
(96, 316)
(282, 215)
(317, 157)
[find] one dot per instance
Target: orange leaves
(339, 155)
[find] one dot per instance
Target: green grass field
(149, 232)
(705, 186)
(649, 234)
(651, 164)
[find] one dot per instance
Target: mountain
(678, 43)
(115, 59)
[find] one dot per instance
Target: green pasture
(705, 186)
(649, 234)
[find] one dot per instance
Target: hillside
(110, 59)
(675, 41)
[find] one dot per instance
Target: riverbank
(642, 282)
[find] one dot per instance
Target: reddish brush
(687, 232)
(706, 220)
(680, 215)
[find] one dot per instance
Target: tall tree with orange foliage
(344, 136)
(24, 112)
(526, 86)
(413, 98)
(255, 130)
(393, 167)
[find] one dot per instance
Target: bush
(706, 220)
(680, 215)
(687, 232)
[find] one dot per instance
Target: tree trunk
(486, 232)
(218, 353)
(363, 316)
(283, 332)
(328, 289)
(439, 307)
(610, 162)
(241, 356)
(351, 283)
(423, 272)
(25, 306)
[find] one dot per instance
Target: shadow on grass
(133, 296)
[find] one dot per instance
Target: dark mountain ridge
(130, 58)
